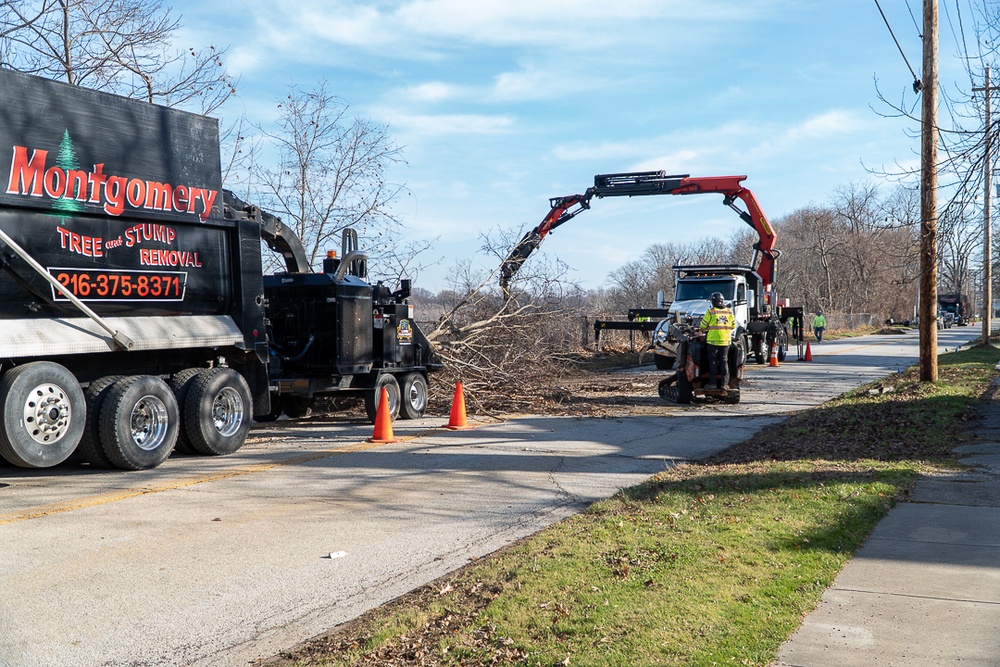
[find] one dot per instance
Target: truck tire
(90, 444)
(413, 400)
(217, 411)
(44, 413)
(372, 397)
(782, 352)
(139, 422)
(179, 384)
(759, 354)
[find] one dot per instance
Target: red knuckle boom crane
(641, 183)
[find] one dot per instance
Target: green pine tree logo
(66, 159)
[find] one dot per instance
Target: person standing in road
(819, 323)
(718, 324)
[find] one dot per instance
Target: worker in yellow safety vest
(819, 324)
(718, 324)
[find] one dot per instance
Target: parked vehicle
(135, 312)
(958, 306)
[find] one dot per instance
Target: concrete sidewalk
(924, 590)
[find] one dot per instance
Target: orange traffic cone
(809, 352)
(774, 355)
(383, 420)
(457, 421)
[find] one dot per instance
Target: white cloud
(698, 148)
(418, 26)
(427, 124)
(433, 91)
(533, 82)
(344, 23)
(832, 123)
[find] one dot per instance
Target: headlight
(660, 336)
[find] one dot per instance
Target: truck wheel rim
(149, 423)
(228, 412)
(47, 413)
(415, 397)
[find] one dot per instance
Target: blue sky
(501, 104)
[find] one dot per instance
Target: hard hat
(717, 300)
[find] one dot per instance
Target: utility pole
(928, 198)
(987, 228)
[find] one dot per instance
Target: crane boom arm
(641, 183)
(563, 210)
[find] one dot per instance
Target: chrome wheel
(149, 423)
(47, 413)
(228, 412)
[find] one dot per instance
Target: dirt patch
(462, 601)
(582, 393)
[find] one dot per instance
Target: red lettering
(180, 200)
(158, 195)
(208, 196)
(136, 192)
(114, 193)
(55, 182)
(76, 184)
(88, 246)
(25, 172)
(30, 176)
(97, 179)
(92, 246)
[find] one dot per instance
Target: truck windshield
(703, 289)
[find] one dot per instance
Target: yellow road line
(115, 496)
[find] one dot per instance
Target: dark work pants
(718, 362)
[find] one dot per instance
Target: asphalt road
(221, 561)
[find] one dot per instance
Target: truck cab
(740, 286)
(956, 306)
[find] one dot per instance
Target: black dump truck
(134, 311)
(958, 305)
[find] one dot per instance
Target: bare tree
(857, 255)
(637, 283)
(959, 243)
(516, 340)
(120, 46)
(331, 172)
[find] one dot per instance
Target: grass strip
(705, 564)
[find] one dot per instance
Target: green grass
(689, 569)
(705, 564)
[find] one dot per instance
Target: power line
(912, 17)
(916, 80)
